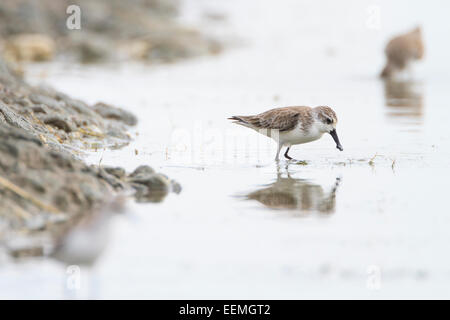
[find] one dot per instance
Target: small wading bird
(293, 125)
(401, 50)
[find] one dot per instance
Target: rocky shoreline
(113, 30)
(45, 188)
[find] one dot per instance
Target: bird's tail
(240, 120)
(237, 119)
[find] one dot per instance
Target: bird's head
(327, 121)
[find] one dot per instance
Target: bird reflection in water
(299, 195)
(404, 98)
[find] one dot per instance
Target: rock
(150, 186)
(139, 187)
(39, 108)
(14, 119)
(27, 252)
(90, 48)
(117, 172)
(147, 195)
(175, 186)
(47, 100)
(80, 108)
(110, 179)
(58, 122)
(142, 170)
(139, 49)
(117, 131)
(29, 47)
(114, 113)
(153, 181)
(51, 178)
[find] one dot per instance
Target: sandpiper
(293, 125)
(401, 50)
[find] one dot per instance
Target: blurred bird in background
(401, 50)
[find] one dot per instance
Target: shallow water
(369, 222)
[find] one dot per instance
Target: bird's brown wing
(283, 119)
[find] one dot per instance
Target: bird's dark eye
(329, 121)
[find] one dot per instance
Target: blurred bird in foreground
(401, 50)
(84, 242)
(293, 125)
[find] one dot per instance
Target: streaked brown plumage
(401, 50)
(282, 119)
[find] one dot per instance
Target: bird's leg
(286, 154)
(277, 157)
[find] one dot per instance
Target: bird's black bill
(336, 139)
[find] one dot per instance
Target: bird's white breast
(299, 136)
